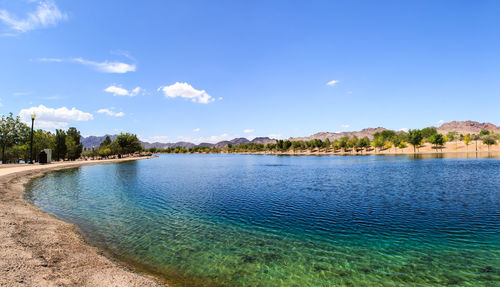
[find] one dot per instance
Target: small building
(45, 156)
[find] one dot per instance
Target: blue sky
(212, 70)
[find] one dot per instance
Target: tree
(105, 143)
(428, 132)
(402, 145)
(12, 132)
(489, 140)
(415, 138)
(363, 143)
(437, 140)
(60, 148)
(72, 148)
(129, 143)
(76, 151)
(467, 139)
(453, 136)
(42, 140)
(484, 133)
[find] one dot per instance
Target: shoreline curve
(38, 249)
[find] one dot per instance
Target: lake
(260, 220)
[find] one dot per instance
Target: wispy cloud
(54, 118)
(332, 82)
(185, 90)
(196, 130)
(345, 126)
(47, 14)
(274, 136)
(403, 129)
(107, 66)
(104, 67)
(119, 91)
(247, 131)
(210, 139)
(110, 112)
(161, 139)
(440, 122)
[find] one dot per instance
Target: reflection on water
(255, 220)
(495, 154)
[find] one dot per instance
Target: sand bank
(37, 249)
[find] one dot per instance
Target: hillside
(462, 127)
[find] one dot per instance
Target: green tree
(363, 143)
(12, 132)
(467, 139)
(415, 138)
(428, 132)
(72, 148)
(105, 143)
(128, 143)
(76, 151)
(42, 140)
(484, 133)
(60, 148)
(453, 136)
(437, 140)
(489, 140)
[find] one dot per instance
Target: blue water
(256, 220)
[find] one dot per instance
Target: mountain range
(462, 127)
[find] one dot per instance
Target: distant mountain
(467, 127)
(368, 132)
(462, 127)
(93, 141)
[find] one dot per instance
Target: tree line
(380, 141)
(65, 144)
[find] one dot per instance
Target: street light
(33, 116)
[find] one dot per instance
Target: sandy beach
(37, 249)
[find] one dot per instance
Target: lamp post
(33, 115)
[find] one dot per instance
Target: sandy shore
(37, 249)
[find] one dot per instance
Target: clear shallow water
(250, 220)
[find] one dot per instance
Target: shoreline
(38, 249)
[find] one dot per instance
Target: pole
(31, 143)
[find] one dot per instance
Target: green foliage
(105, 143)
(363, 143)
(415, 138)
(484, 133)
(452, 136)
(428, 132)
(489, 140)
(128, 143)
(12, 132)
(60, 148)
(437, 140)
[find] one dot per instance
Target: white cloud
(54, 118)
(196, 130)
(274, 136)
(185, 90)
(345, 126)
(119, 91)
(110, 112)
(332, 82)
(247, 131)
(161, 139)
(403, 130)
(440, 122)
(210, 139)
(106, 66)
(46, 15)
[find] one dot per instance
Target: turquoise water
(256, 220)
